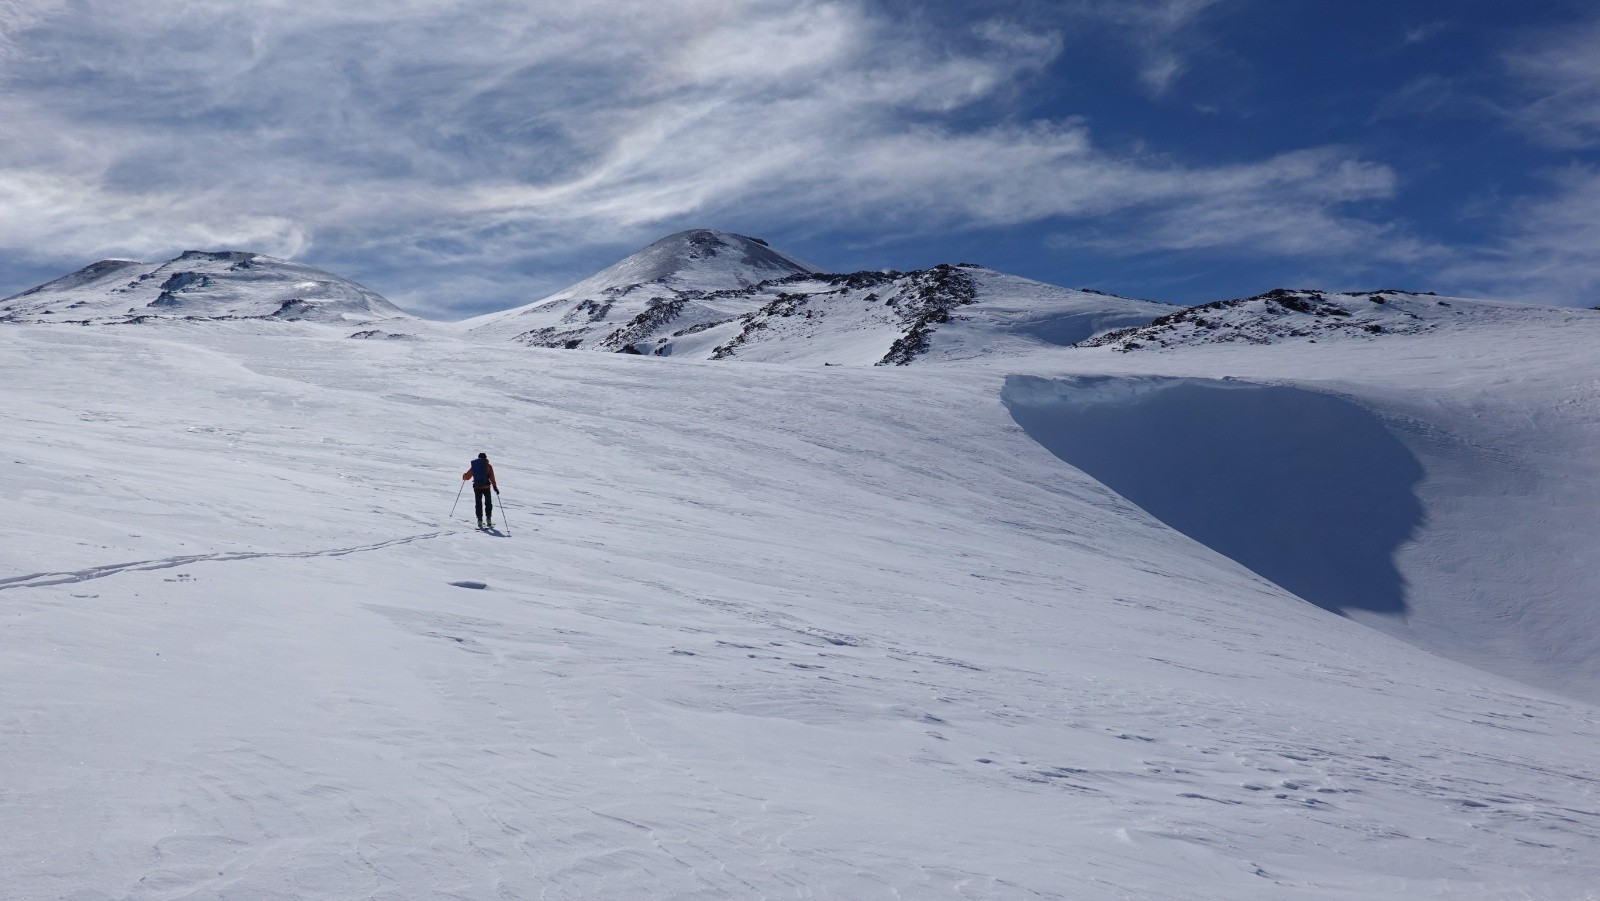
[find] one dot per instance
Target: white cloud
(445, 138)
(45, 211)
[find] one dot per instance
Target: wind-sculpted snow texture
(199, 285)
(773, 631)
(704, 295)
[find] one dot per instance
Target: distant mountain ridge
(200, 285)
(710, 295)
(1286, 315)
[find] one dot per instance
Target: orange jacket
(489, 466)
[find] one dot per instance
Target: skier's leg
(488, 506)
(477, 502)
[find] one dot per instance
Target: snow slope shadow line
(1306, 489)
(41, 580)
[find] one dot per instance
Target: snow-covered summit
(700, 259)
(199, 284)
(1285, 315)
(708, 295)
(682, 266)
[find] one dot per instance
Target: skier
(482, 476)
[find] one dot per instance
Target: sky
(463, 156)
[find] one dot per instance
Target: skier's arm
(466, 475)
(492, 483)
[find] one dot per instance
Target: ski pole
(458, 498)
(503, 511)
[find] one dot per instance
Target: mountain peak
(198, 284)
(700, 259)
(707, 294)
(684, 265)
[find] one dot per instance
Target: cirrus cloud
(442, 151)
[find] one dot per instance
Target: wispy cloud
(1421, 34)
(1547, 248)
(1560, 77)
(1550, 252)
(1164, 34)
(459, 144)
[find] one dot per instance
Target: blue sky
(472, 155)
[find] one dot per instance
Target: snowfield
(1214, 620)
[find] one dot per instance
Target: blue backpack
(480, 473)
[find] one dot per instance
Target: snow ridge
(916, 303)
(1283, 315)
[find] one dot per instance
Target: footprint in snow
(468, 583)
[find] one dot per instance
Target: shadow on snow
(1307, 490)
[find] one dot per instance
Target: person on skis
(482, 476)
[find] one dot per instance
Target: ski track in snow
(39, 580)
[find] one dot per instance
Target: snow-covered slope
(199, 285)
(708, 295)
(769, 631)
